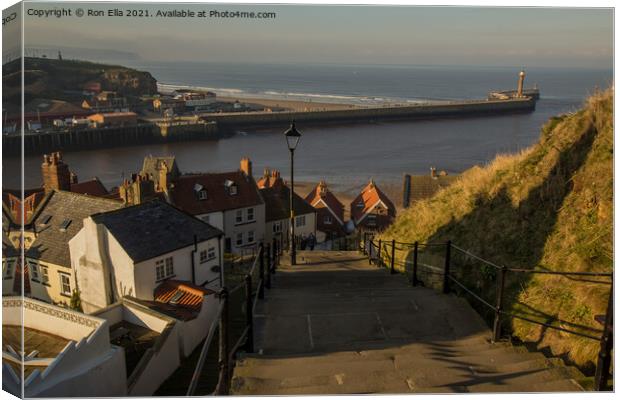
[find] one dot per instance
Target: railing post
(379, 262)
(392, 271)
(364, 251)
(499, 302)
(603, 363)
(276, 255)
(249, 317)
(261, 271)
(269, 261)
(446, 269)
(222, 388)
(414, 279)
(370, 244)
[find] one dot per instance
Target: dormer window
(231, 187)
(200, 191)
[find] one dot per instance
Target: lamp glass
(292, 137)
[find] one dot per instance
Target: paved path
(335, 325)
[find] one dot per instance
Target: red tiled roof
(94, 187)
(369, 197)
(187, 306)
(185, 197)
(321, 192)
(12, 201)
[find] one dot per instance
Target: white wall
(87, 366)
(194, 331)
(215, 219)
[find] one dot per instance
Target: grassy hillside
(54, 79)
(548, 207)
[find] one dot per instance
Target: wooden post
(414, 279)
(497, 323)
(249, 317)
(222, 388)
(392, 270)
(379, 263)
(603, 363)
(261, 271)
(446, 269)
(269, 261)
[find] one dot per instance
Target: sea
(346, 156)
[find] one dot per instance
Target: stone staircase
(335, 325)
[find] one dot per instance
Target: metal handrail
(476, 257)
(203, 353)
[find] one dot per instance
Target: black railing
(381, 251)
(267, 256)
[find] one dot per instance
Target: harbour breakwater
(216, 126)
(373, 114)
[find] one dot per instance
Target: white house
(229, 201)
(131, 251)
(66, 353)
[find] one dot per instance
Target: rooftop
(135, 339)
(277, 203)
(93, 187)
(218, 197)
(154, 228)
(370, 196)
(425, 186)
(59, 220)
(321, 193)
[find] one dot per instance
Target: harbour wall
(85, 139)
(221, 125)
(421, 111)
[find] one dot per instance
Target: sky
(544, 37)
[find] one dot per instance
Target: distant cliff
(61, 79)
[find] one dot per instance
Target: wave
(298, 96)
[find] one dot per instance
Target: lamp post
(292, 139)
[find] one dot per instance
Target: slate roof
(151, 229)
(321, 192)
(277, 203)
(184, 196)
(369, 197)
(425, 186)
(52, 243)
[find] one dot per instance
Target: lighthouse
(520, 86)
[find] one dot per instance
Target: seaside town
(181, 277)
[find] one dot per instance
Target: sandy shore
(295, 105)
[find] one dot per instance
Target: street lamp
(292, 139)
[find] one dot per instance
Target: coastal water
(348, 155)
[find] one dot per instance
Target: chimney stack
(246, 166)
(433, 172)
(56, 174)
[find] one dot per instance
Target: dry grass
(549, 206)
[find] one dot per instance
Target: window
(372, 219)
(164, 269)
(34, 271)
(211, 253)
(327, 220)
(233, 190)
(251, 237)
(277, 227)
(169, 267)
(202, 195)
(300, 221)
(44, 274)
(8, 269)
(159, 270)
(203, 256)
(65, 284)
(239, 216)
(250, 214)
(239, 239)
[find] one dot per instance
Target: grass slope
(548, 207)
